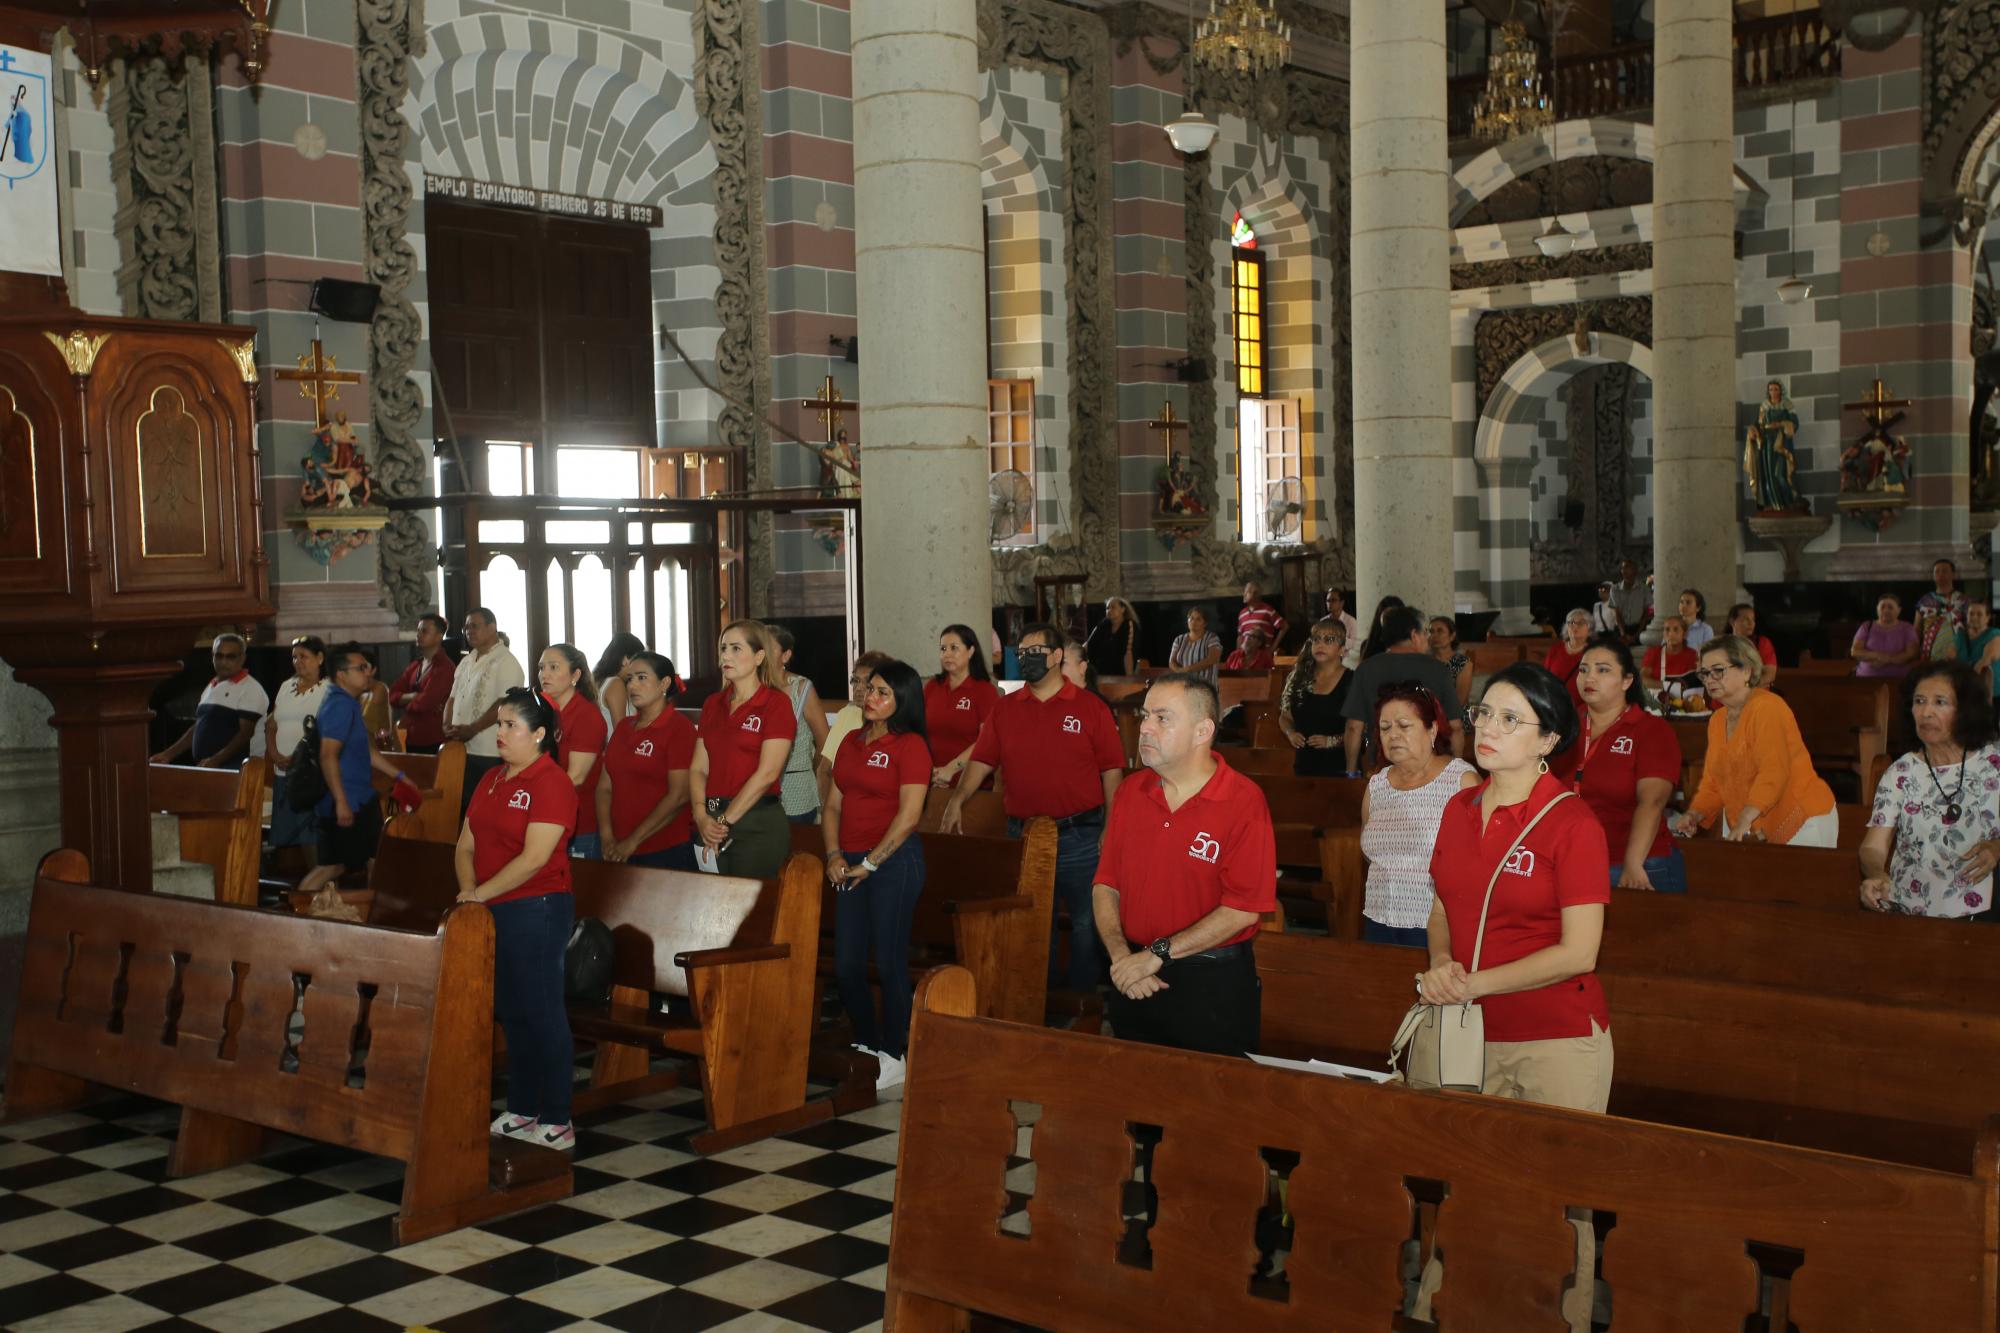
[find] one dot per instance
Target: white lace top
(1398, 839)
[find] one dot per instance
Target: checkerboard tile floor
(787, 1233)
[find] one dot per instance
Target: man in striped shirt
(1259, 615)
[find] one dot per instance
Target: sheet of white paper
(1322, 1067)
(706, 861)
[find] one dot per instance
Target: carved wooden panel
(484, 272)
(171, 429)
(32, 533)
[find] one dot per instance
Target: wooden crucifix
(838, 453)
(319, 380)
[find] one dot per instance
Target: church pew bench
(1883, 1245)
(1820, 877)
(1897, 1082)
(366, 1037)
(221, 812)
(1845, 721)
(441, 778)
(739, 951)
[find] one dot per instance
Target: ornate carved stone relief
(1574, 186)
(1598, 427)
(1535, 268)
(1040, 34)
(1962, 77)
(391, 34)
(727, 83)
(163, 166)
(1502, 336)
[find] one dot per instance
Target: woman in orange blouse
(1757, 776)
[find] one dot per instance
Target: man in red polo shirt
(1059, 756)
(1189, 865)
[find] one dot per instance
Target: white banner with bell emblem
(30, 239)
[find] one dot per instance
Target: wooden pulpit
(130, 507)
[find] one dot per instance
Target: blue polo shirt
(340, 720)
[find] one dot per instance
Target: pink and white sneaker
(560, 1137)
(511, 1126)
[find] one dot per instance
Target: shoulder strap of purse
(1479, 940)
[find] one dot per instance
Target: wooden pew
(1883, 1246)
(441, 778)
(1899, 1082)
(1758, 872)
(193, 1003)
(750, 1002)
(221, 812)
(1844, 721)
(986, 906)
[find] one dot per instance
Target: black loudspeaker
(1572, 513)
(1191, 370)
(344, 301)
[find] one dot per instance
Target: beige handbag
(1444, 1045)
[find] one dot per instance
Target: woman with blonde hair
(1310, 713)
(1757, 776)
(745, 738)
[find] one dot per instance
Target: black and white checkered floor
(787, 1233)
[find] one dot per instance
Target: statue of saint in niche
(1767, 454)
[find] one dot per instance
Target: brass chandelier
(1243, 37)
(1514, 101)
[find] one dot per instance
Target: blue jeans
(1669, 873)
(1076, 871)
(586, 847)
(1413, 937)
(678, 857)
(873, 919)
(529, 936)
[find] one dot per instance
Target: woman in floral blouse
(1938, 806)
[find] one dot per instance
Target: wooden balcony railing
(1770, 52)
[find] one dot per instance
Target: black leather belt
(1082, 818)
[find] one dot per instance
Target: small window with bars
(1010, 451)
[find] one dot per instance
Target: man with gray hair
(225, 721)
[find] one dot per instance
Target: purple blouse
(1879, 638)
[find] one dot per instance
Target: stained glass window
(1240, 234)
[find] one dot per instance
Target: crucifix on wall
(838, 454)
(318, 379)
(1176, 495)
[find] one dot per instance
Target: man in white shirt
(1336, 609)
(225, 721)
(486, 672)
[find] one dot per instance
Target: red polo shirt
(1562, 864)
(871, 776)
(641, 761)
(1050, 755)
(1173, 867)
(953, 716)
(500, 813)
(1637, 746)
(1564, 663)
(1662, 665)
(581, 730)
(733, 736)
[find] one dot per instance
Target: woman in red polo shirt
(746, 735)
(564, 675)
(872, 809)
(1548, 1033)
(957, 702)
(642, 798)
(511, 856)
(1625, 766)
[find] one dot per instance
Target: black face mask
(1034, 666)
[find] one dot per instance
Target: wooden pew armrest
(755, 953)
(1012, 902)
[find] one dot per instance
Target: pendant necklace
(1952, 809)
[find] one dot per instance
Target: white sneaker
(511, 1126)
(892, 1072)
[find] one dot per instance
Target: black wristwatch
(1162, 949)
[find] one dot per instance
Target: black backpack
(587, 962)
(305, 784)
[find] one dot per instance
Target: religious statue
(840, 453)
(1878, 462)
(336, 474)
(1178, 496)
(1767, 453)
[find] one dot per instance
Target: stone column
(1401, 312)
(921, 303)
(1695, 465)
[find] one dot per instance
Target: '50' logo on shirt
(519, 800)
(1204, 848)
(965, 705)
(1622, 745)
(1073, 725)
(643, 750)
(878, 759)
(1522, 862)
(754, 722)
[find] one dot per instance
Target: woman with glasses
(1625, 766)
(1886, 645)
(1757, 776)
(1934, 834)
(1444, 647)
(957, 702)
(296, 700)
(1197, 652)
(1400, 811)
(1315, 693)
(1548, 1031)
(874, 861)
(1568, 651)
